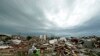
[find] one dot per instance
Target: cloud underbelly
(65, 16)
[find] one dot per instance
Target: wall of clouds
(74, 17)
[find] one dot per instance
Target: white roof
(63, 38)
(16, 41)
(3, 47)
(53, 41)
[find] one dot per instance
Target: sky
(65, 17)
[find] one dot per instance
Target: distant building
(43, 37)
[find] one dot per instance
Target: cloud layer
(73, 17)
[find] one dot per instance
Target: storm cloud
(71, 17)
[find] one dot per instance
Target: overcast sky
(70, 17)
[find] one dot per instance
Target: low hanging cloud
(74, 17)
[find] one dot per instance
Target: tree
(8, 38)
(29, 37)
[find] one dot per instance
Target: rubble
(44, 46)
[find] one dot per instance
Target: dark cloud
(28, 16)
(14, 13)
